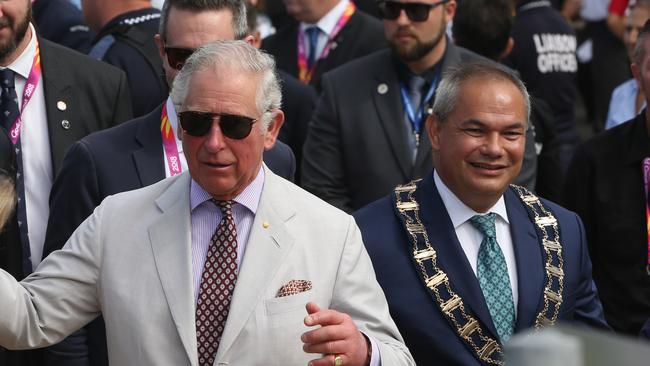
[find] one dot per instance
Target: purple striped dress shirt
(205, 218)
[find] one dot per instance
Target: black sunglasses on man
(416, 12)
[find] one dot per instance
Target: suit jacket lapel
(172, 251)
(57, 87)
(265, 252)
(451, 257)
(148, 160)
(528, 255)
(386, 97)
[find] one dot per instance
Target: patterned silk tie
(492, 273)
(217, 286)
(10, 112)
(312, 37)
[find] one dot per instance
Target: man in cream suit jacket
(291, 280)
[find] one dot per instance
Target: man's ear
(509, 46)
(433, 130)
(160, 46)
(257, 39)
(636, 73)
(450, 10)
(274, 129)
(250, 40)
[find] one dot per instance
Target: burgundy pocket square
(294, 287)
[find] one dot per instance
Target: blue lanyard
(415, 117)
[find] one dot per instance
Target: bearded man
(366, 133)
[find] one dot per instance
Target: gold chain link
(467, 325)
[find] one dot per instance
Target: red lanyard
(169, 143)
(646, 185)
(304, 73)
(28, 92)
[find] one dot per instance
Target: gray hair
(236, 7)
(239, 55)
(7, 198)
(448, 91)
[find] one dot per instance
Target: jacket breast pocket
(280, 305)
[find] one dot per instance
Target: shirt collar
(327, 23)
(458, 212)
(249, 197)
(23, 64)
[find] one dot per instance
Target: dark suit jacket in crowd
(96, 96)
(362, 35)
(427, 333)
(357, 146)
(605, 187)
(108, 162)
(298, 103)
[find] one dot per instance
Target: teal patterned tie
(492, 273)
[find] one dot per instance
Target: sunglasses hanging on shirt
(416, 12)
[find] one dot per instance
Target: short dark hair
(483, 26)
(237, 7)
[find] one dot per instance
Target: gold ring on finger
(338, 361)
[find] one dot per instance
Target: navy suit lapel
(451, 257)
(148, 159)
(57, 87)
(386, 97)
(528, 255)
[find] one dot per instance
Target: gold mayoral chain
(468, 328)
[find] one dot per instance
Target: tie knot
(416, 83)
(312, 32)
(485, 224)
(224, 206)
(7, 78)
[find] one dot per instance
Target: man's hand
(337, 336)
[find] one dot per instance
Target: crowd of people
(322, 182)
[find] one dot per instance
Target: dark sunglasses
(416, 12)
(176, 57)
(232, 126)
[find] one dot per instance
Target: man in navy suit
(141, 152)
(460, 254)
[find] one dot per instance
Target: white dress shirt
(173, 120)
(37, 156)
(326, 24)
(470, 238)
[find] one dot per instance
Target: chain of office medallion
(547, 225)
(450, 303)
(452, 306)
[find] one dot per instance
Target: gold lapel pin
(265, 225)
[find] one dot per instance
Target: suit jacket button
(65, 124)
